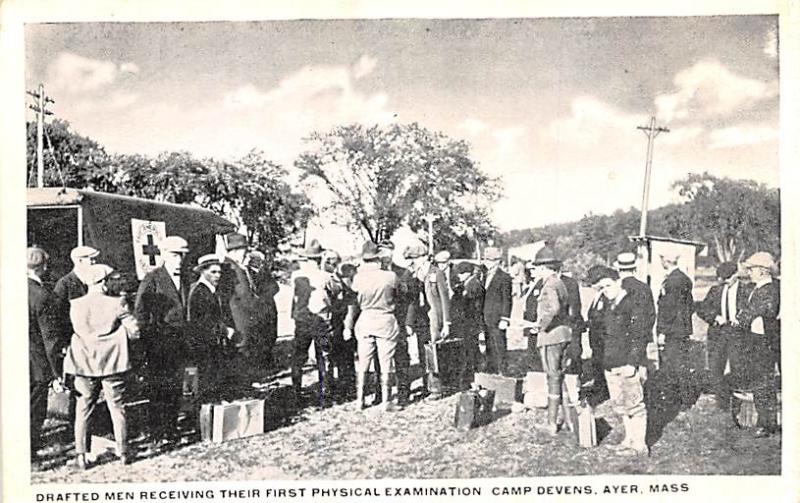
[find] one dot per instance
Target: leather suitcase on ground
(474, 409)
(445, 360)
(507, 390)
(60, 405)
(534, 388)
(231, 421)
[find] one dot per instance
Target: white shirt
(204, 281)
(32, 275)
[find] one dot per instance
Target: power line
(41, 110)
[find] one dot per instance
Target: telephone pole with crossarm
(41, 110)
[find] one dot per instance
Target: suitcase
(445, 361)
(60, 405)
(231, 421)
(474, 409)
(535, 390)
(507, 390)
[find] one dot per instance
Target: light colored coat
(99, 345)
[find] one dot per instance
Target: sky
(549, 105)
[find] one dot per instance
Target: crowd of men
(361, 316)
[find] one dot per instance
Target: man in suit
(468, 318)
(73, 285)
(496, 305)
(161, 313)
(759, 320)
(416, 319)
(259, 268)
(208, 332)
(45, 344)
(724, 337)
(674, 326)
(552, 328)
(442, 260)
(435, 302)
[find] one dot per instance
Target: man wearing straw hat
(759, 319)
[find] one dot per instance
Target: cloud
(507, 137)
(708, 88)
(743, 135)
(771, 43)
(592, 122)
(473, 126)
(122, 99)
(364, 66)
(72, 73)
(679, 135)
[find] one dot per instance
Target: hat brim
(624, 267)
(200, 267)
(546, 262)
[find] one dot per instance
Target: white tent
(526, 252)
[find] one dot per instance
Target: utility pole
(41, 110)
(651, 131)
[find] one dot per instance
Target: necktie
(725, 313)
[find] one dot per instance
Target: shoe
(390, 407)
(80, 462)
(761, 432)
(125, 459)
(634, 450)
(551, 429)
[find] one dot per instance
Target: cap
(206, 261)
(235, 241)
(415, 251)
(725, 270)
(625, 261)
(442, 256)
(463, 267)
(600, 272)
(98, 273)
(492, 253)
(80, 252)
(761, 259)
(174, 244)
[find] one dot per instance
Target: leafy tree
(376, 178)
(736, 217)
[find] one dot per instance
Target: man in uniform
(552, 329)
(674, 326)
(45, 344)
(160, 310)
(436, 303)
(496, 305)
(758, 318)
(724, 337)
(311, 311)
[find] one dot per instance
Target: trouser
(343, 357)
(723, 347)
(320, 332)
(88, 391)
(627, 400)
(762, 360)
(553, 358)
(675, 366)
(471, 358)
(38, 412)
(402, 361)
(166, 384)
(495, 350)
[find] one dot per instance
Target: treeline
(733, 217)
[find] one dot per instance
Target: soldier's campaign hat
(725, 270)
(173, 244)
(415, 251)
(761, 259)
(546, 256)
(370, 251)
(235, 241)
(80, 252)
(596, 273)
(99, 272)
(492, 253)
(463, 267)
(441, 257)
(206, 261)
(625, 261)
(312, 250)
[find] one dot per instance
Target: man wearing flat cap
(73, 285)
(311, 311)
(724, 338)
(552, 329)
(442, 260)
(759, 320)
(674, 326)
(496, 305)
(160, 310)
(208, 332)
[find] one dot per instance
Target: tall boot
(553, 404)
(360, 378)
(403, 386)
(637, 426)
(386, 391)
